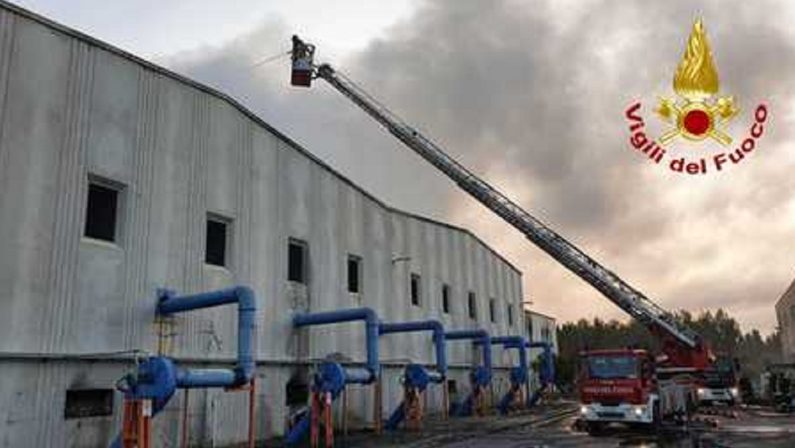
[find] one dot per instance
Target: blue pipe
(514, 342)
(480, 376)
(415, 374)
(547, 373)
(348, 315)
(547, 370)
(480, 336)
(423, 325)
(169, 303)
(519, 373)
(331, 376)
(157, 377)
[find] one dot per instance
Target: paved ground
(553, 426)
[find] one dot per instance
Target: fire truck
(720, 382)
(629, 386)
(668, 383)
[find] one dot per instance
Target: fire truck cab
(617, 386)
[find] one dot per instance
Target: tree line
(719, 329)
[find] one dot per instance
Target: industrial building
(119, 177)
(542, 328)
(785, 314)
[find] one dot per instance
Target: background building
(118, 177)
(785, 314)
(540, 327)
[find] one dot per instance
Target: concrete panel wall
(73, 110)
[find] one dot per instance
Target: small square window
(102, 211)
(81, 403)
(415, 289)
(472, 306)
(354, 273)
(492, 310)
(216, 241)
(297, 254)
(452, 387)
(446, 299)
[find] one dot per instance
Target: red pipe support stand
(137, 424)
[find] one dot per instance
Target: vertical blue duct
(480, 337)
(519, 373)
(331, 376)
(370, 319)
(481, 376)
(169, 303)
(157, 377)
(547, 370)
(423, 325)
(416, 375)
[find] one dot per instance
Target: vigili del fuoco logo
(695, 139)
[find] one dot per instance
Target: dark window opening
(101, 211)
(492, 310)
(82, 403)
(446, 299)
(216, 242)
(452, 387)
(296, 261)
(510, 315)
(415, 289)
(354, 273)
(472, 306)
(297, 390)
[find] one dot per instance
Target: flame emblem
(697, 113)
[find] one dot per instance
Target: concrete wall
(72, 109)
(785, 314)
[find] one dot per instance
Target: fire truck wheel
(656, 416)
(594, 428)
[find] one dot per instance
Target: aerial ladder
(683, 349)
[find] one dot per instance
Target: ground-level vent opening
(81, 403)
(297, 390)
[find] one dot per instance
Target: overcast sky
(531, 95)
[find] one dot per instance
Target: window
(102, 211)
(492, 310)
(472, 306)
(216, 241)
(509, 310)
(297, 390)
(296, 261)
(452, 387)
(546, 334)
(354, 273)
(446, 299)
(415, 289)
(82, 403)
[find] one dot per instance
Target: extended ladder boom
(614, 288)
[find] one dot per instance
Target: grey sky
(531, 95)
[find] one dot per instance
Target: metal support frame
(136, 423)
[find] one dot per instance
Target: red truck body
(622, 386)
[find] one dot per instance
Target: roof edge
(241, 108)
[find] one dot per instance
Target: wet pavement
(553, 426)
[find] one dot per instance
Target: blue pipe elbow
(169, 303)
(347, 315)
(480, 336)
(423, 325)
(547, 373)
